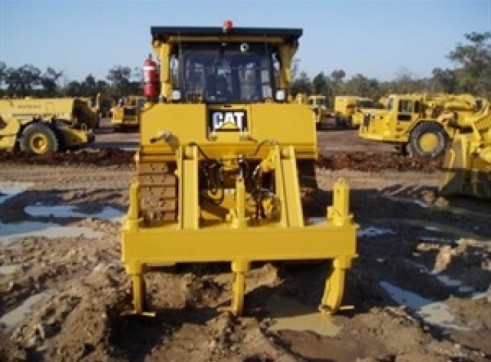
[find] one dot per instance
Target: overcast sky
(378, 38)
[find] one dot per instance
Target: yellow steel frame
(237, 240)
(467, 164)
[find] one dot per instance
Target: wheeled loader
(43, 125)
(413, 124)
(467, 163)
(223, 160)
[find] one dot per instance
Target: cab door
(408, 112)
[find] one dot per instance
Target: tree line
(471, 74)
(29, 80)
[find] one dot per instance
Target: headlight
(176, 95)
(280, 95)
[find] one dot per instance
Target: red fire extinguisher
(151, 79)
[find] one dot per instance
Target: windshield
(365, 104)
(225, 73)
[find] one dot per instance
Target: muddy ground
(419, 290)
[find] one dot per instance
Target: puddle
(435, 313)
(9, 269)
(373, 231)
(408, 201)
(465, 212)
(316, 221)
(10, 232)
(453, 283)
(453, 209)
(108, 213)
(10, 189)
(434, 226)
(445, 280)
(432, 240)
(16, 316)
(292, 315)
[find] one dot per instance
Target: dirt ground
(418, 291)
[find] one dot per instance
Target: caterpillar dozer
(412, 122)
(318, 104)
(127, 113)
(223, 160)
(467, 164)
(44, 125)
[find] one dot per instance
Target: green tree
(320, 85)
(444, 80)
(3, 77)
(362, 86)
(474, 64)
(302, 84)
(22, 81)
(336, 81)
(73, 89)
(49, 81)
(124, 81)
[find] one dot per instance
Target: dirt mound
(359, 161)
(97, 157)
(363, 161)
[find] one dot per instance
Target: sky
(380, 39)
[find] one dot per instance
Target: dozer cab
(223, 160)
(411, 122)
(467, 164)
(42, 126)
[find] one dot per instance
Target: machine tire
(40, 139)
(428, 139)
(402, 149)
(349, 123)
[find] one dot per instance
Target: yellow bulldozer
(467, 164)
(346, 107)
(44, 125)
(413, 124)
(126, 114)
(224, 158)
(318, 104)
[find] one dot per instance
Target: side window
(405, 106)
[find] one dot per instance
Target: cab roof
(164, 32)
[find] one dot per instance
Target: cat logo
(228, 121)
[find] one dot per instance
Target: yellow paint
(235, 169)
